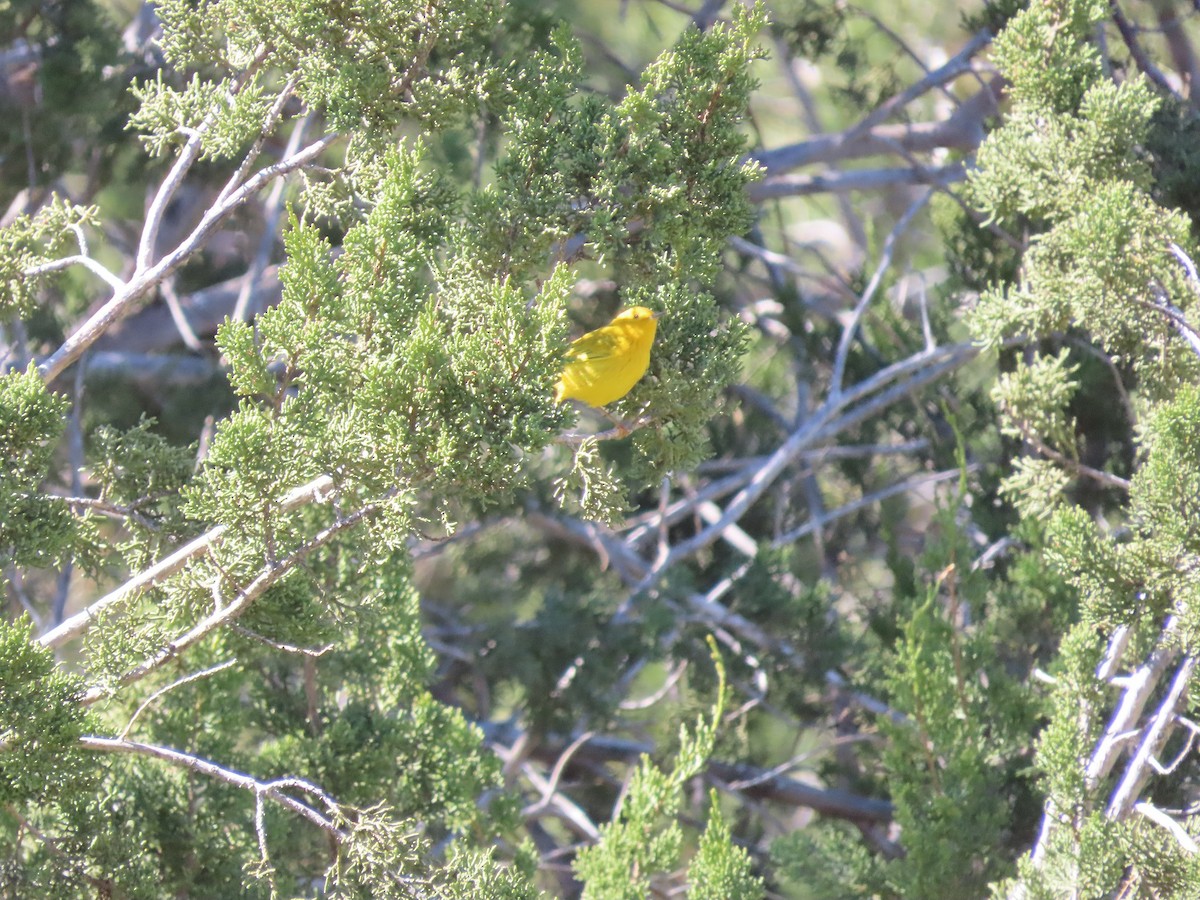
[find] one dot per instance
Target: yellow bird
(605, 364)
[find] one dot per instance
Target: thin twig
(246, 308)
(1139, 770)
(829, 419)
(902, 487)
(1105, 478)
(957, 65)
(885, 262)
(1186, 842)
(1137, 689)
(179, 682)
(109, 278)
(779, 186)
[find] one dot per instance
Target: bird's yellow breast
(605, 364)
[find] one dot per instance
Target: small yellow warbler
(605, 364)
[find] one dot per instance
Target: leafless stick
(901, 487)
(853, 220)
(1137, 689)
(622, 430)
(182, 325)
(1183, 56)
(151, 328)
(1183, 327)
(1105, 478)
(919, 366)
(141, 283)
(1129, 35)
(712, 612)
(1136, 692)
(245, 309)
(1156, 815)
(1138, 772)
(76, 458)
(110, 510)
(778, 186)
(569, 811)
(179, 682)
(274, 790)
(1193, 730)
(707, 607)
(771, 258)
(1162, 301)
(170, 185)
(272, 119)
(885, 262)
(819, 427)
(646, 702)
(1113, 652)
(733, 534)
(829, 801)
(963, 130)
(83, 620)
(260, 832)
(282, 647)
(640, 528)
(17, 582)
(187, 158)
(551, 787)
(97, 269)
(958, 64)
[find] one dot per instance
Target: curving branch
(273, 790)
(754, 782)
(144, 280)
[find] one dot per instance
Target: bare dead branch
(1139, 770)
(145, 280)
(853, 180)
(962, 130)
(273, 790)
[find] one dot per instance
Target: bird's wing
(594, 346)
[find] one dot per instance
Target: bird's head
(636, 312)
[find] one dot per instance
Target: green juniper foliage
(388, 550)
(402, 384)
(1106, 262)
(35, 529)
(1067, 164)
(643, 842)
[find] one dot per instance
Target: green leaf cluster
(643, 843)
(363, 66)
(32, 241)
(410, 361)
(40, 722)
(35, 529)
(231, 111)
